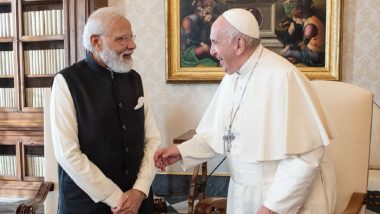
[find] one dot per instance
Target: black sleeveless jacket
(110, 131)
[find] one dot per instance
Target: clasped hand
(129, 202)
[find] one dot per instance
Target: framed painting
(305, 32)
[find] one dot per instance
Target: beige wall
(179, 107)
(361, 44)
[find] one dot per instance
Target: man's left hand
(129, 202)
(265, 210)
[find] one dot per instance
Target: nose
(212, 50)
(131, 44)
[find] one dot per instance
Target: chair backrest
(50, 164)
(350, 108)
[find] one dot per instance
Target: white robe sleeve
(67, 149)
(195, 151)
(293, 181)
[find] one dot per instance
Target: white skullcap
(244, 21)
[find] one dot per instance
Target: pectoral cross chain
(228, 138)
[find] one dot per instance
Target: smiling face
(114, 49)
(223, 47)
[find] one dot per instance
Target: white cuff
(143, 186)
(114, 198)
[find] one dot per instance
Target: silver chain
(241, 97)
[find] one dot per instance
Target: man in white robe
(266, 118)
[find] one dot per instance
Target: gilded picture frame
(270, 14)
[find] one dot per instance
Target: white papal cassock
(281, 130)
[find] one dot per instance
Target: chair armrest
(355, 204)
(373, 201)
(160, 206)
(210, 204)
(31, 206)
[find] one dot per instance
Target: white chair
(51, 165)
(350, 107)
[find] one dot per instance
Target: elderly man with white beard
(104, 133)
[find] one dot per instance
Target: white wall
(179, 107)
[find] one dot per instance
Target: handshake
(166, 156)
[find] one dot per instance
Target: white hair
(97, 24)
(234, 33)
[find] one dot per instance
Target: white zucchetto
(244, 21)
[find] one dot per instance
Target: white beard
(114, 61)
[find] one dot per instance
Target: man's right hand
(166, 156)
(129, 202)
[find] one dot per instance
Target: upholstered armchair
(350, 107)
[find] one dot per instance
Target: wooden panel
(42, 38)
(65, 7)
(21, 121)
(20, 164)
(18, 188)
(36, 140)
(19, 185)
(34, 179)
(96, 4)
(6, 39)
(41, 76)
(7, 177)
(43, 1)
(77, 12)
(29, 140)
(41, 5)
(20, 133)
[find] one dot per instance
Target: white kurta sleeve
(151, 142)
(195, 151)
(293, 181)
(67, 149)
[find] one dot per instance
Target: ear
(239, 46)
(96, 42)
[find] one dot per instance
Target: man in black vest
(104, 133)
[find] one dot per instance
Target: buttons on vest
(124, 127)
(121, 105)
(126, 149)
